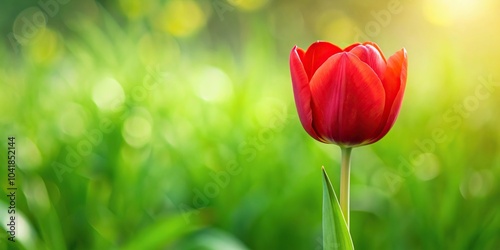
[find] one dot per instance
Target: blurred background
(171, 125)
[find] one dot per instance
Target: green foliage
(335, 232)
(131, 133)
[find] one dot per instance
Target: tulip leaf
(335, 232)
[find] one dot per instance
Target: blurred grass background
(171, 125)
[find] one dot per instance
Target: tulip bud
(349, 97)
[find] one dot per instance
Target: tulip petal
(371, 56)
(348, 48)
(301, 91)
(317, 54)
(348, 100)
(376, 47)
(394, 81)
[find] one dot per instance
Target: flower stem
(344, 182)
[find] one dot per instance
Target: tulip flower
(349, 97)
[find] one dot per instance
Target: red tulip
(349, 97)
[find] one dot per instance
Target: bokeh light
(171, 124)
(180, 17)
(447, 12)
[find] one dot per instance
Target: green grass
(194, 142)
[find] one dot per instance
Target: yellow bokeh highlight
(180, 18)
(136, 9)
(333, 25)
(448, 12)
(45, 47)
(248, 5)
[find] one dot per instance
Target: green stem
(344, 182)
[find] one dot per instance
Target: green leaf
(335, 232)
(162, 233)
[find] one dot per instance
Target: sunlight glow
(448, 12)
